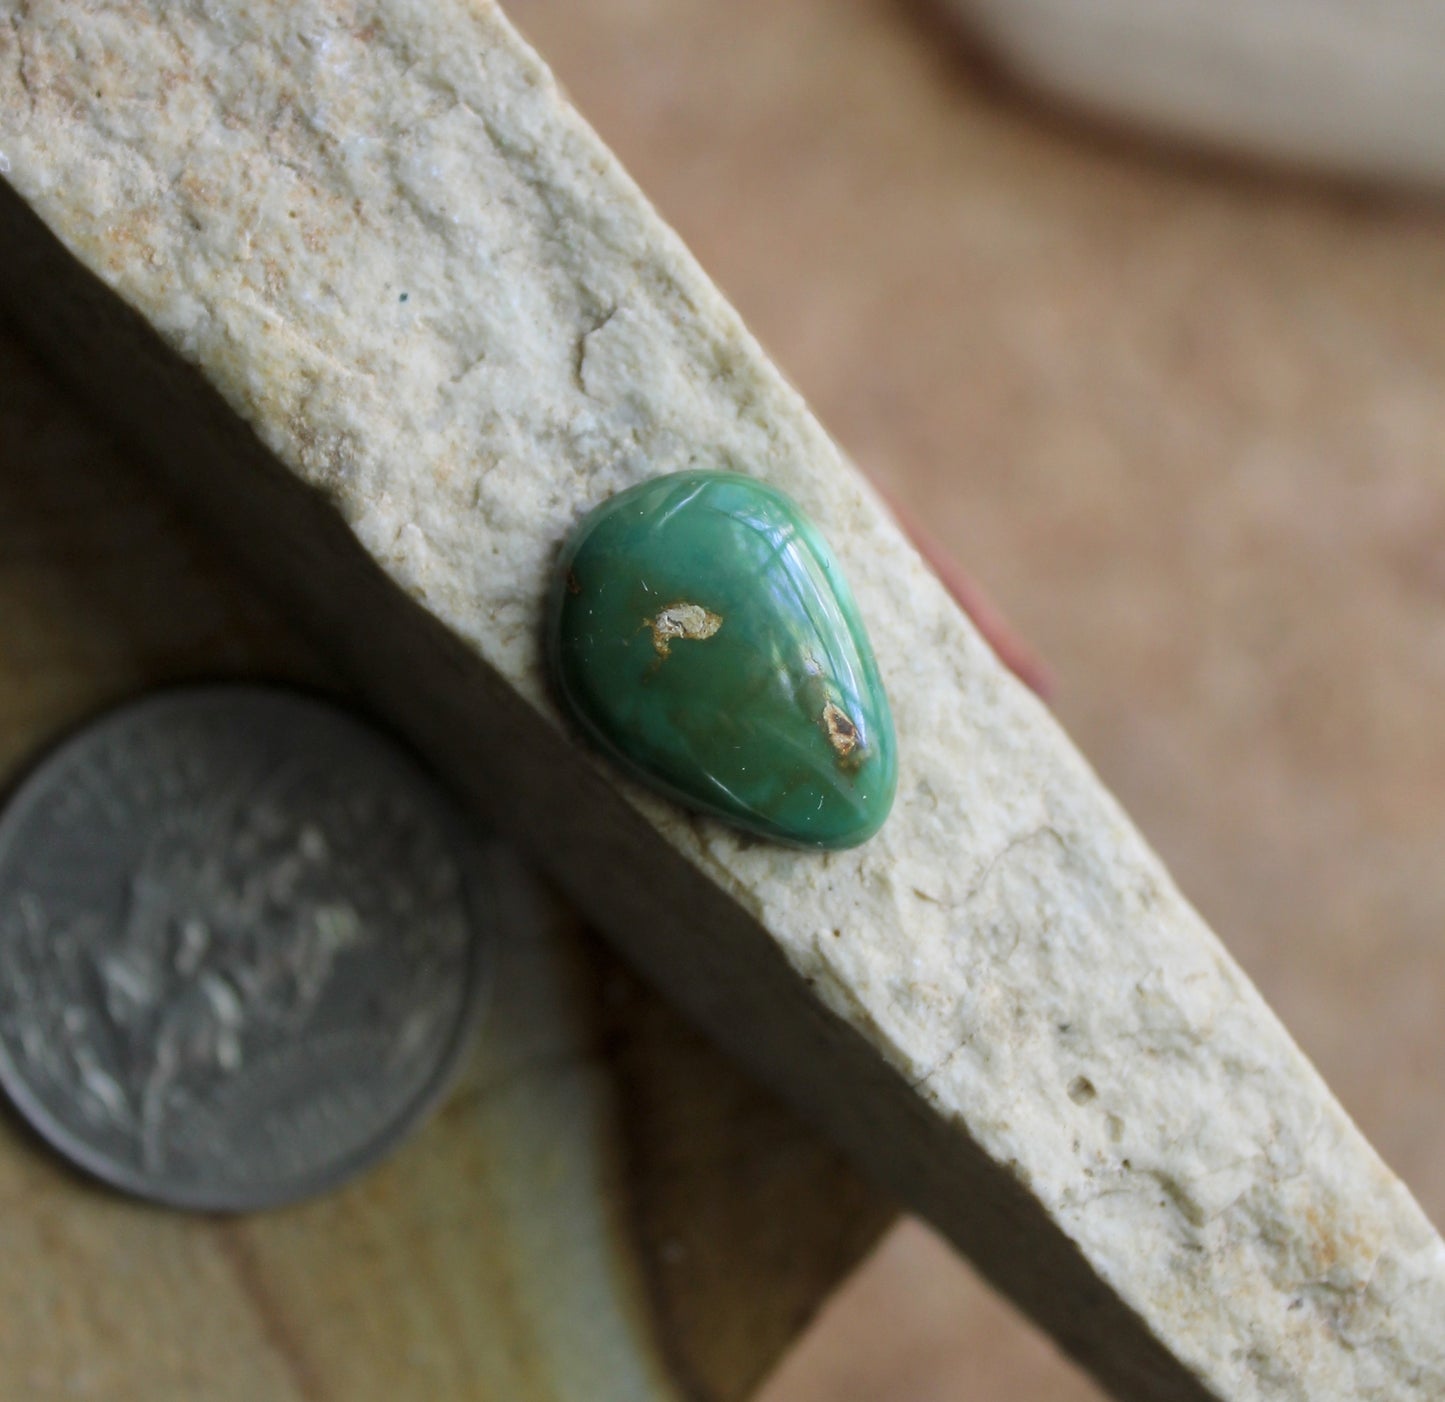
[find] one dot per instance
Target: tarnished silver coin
(242, 944)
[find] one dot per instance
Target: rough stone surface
(1340, 85)
(390, 249)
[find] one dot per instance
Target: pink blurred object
(1012, 650)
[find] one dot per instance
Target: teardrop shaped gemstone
(702, 634)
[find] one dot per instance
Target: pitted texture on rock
(408, 265)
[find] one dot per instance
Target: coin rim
(482, 860)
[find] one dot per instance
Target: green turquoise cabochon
(702, 634)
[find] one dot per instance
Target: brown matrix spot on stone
(681, 620)
(841, 732)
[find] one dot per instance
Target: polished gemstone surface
(702, 634)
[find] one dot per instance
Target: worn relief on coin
(240, 946)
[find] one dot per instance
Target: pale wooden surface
(602, 1210)
(1186, 425)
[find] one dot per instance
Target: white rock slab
(395, 319)
(1351, 87)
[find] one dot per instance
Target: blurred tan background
(1185, 422)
